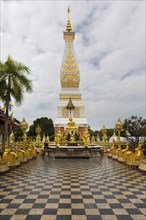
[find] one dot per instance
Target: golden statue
(138, 151)
(71, 123)
(72, 137)
(71, 126)
(86, 137)
(58, 138)
(12, 137)
(134, 158)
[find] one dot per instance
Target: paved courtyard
(73, 189)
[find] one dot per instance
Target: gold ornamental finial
(68, 26)
(68, 10)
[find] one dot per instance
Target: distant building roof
(3, 117)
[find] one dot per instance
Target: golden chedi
(70, 82)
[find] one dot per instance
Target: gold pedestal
(24, 155)
(3, 165)
(109, 154)
(34, 152)
(28, 154)
(20, 155)
(12, 159)
(121, 159)
(142, 165)
(115, 156)
(133, 160)
(104, 150)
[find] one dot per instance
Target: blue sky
(109, 46)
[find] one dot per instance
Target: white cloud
(109, 46)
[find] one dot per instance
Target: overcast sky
(110, 49)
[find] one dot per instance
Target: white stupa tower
(70, 81)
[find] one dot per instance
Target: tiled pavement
(73, 189)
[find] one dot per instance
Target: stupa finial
(68, 10)
(68, 26)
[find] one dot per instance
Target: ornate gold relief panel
(70, 73)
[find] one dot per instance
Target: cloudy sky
(109, 46)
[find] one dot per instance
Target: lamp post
(24, 127)
(38, 137)
(119, 126)
(104, 138)
(70, 107)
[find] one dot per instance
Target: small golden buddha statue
(71, 123)
(72, 136)
(138, 151)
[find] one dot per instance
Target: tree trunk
(6, 124)
(7, 114)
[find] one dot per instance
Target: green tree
(13, 83)
(91, 132)
(45, 124)
(95, 133)
(110, 132)
(133, 129)
(17, 131)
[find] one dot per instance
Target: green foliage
(13, 83)
(110, 132)
(51, 137)
(91, 132)
(143, 133)
(14, 80)
(17, 131)
(133, 129)
(46, 126)
(95, 133)
(18, 134)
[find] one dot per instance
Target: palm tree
(13, 83)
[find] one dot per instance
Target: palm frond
(17, 92)
(14, 80)
(25, 83)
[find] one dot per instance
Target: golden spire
(68, 26)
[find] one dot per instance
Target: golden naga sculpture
(123, 154)
(118, 150)
(11, 158)
(111, 151)
(138, 151)
(115, 152)
(134, 158)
